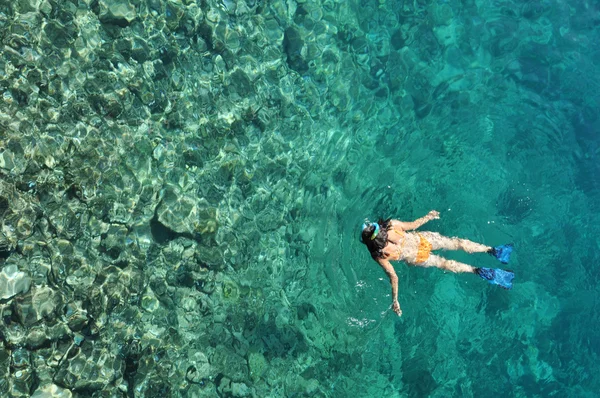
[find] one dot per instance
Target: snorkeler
(389, 240)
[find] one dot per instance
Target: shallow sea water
(182, 185)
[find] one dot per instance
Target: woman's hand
(433, 215)
(396, 308)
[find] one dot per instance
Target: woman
(388, 240)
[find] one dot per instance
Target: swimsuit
(424, 249)
(422, 252)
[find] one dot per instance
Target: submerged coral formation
(180, 182)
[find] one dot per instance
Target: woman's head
(374, 236)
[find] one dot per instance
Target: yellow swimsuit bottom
(424, 249)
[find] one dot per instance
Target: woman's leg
(449, 265)
(442, 242)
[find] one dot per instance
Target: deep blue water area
(503, 142)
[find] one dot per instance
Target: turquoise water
(182, 185)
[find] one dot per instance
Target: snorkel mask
(375, 232)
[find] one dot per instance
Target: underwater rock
(116, 12)
(114, 241)
(174, 11)
(18, 215)
(211, 256)
(184, 213)
(20, 358)
(292, 46)
(226, 38)
(14, 333)
(229, 363)
(149, 301)
(77, 317)
(206, 280)
(176, 211)
(257, 365)
(228, 388)
(41, 302)
(241, 83)
(51, 391)
(379, 43)
(204, 390)
(66, 218)
(7, 160)
(13, 282)
(139, 50)
(4, 370)
(240, 390)
(58, 331)
(441, 14)
(230, 291)
(89, 369)
(45, 360)
(21, 382)
(198, 367)
(181, 276)
(59, 35)
(5, 245)
(36, 337)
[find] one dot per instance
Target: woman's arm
(389, 270)
(409, 226)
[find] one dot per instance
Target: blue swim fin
(502, 252)
(496, 276)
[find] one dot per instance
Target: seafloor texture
(182, 184)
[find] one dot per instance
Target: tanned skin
(403, 245)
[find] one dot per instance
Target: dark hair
(376, 245)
